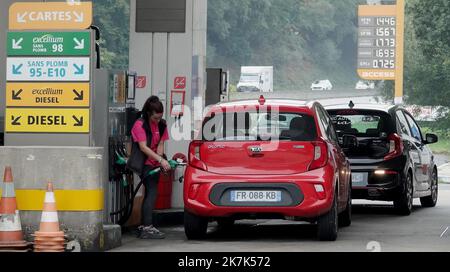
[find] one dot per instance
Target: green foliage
(303, 39)
(427, 62)
(443, 145)
(113, 19)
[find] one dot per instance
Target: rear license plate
(360, 178)
(255, 196)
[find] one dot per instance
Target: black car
(390, 159)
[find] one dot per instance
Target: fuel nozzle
(173, 165)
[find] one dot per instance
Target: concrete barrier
(78, 178)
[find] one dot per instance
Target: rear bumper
(385, 187)
(205, 194)
(377, 193)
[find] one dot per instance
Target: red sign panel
(141, 82)
(179, 83)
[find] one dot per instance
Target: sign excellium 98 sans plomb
(49, 43)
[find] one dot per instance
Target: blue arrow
(79, 70)
(16, 70)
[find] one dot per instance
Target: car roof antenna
(351, 105)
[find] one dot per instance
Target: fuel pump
(217, 86)
(121, 116)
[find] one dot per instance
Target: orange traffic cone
(11, 236)
(49, 238)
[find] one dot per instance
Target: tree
(113, 19)
(303, 39)
(428, 68)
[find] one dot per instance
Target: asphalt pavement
(375, 227)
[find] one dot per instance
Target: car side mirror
(349, 141)
(431, 139)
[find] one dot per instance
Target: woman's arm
(148, 152)
(152, 155)
(160, 149)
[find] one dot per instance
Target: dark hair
(152, 105)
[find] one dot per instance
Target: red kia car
(275, 159)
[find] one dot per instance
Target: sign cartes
(49, 43)
(48, 69)
(47, 94)
(47, 120)
(54, 15)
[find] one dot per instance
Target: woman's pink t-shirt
(139, 135)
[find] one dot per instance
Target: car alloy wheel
(431, 200)
(328, 223)
(409, 192)
(345, 218)
(404, 203)
(434, 187)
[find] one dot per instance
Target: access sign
(47, 120)
(48, 69)
(49, 43)
(52, 15)
(377, 42)
(47, 94)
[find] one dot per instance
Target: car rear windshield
(362, 123)
(257, 126)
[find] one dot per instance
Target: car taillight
(320, 155)
(395, 147)
(194, 155)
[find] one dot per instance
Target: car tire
(195, 227)
(345, 218)
(225, 223)
(431, 201)
(404, 204)
(328, 223)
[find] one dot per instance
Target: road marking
(444, 232)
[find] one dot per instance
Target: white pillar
(161, 58)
